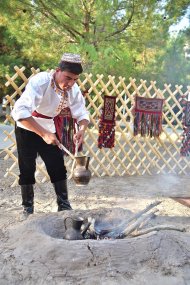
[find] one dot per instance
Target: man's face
(65, 79)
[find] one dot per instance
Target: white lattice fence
(131, 154)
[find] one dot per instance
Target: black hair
(75, 68)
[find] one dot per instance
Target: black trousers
(29, 146)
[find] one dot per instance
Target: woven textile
(187, 114)
(106, 136)
(65, 129)
(148, 116)
(185, 145)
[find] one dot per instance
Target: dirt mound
(33, 251)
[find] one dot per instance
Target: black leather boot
(27, 199)
(62, 195)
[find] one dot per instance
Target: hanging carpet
(185, 146)
(106, 124)
(148, 116)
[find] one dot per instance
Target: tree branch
(124, 26)
(158, 228)
(47, 13)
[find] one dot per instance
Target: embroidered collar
(57, 90)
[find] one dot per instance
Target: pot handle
(65, 222)
(87, 162)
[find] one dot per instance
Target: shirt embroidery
(64, 96)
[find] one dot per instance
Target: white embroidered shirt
(41, 95)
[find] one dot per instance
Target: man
(46, 95)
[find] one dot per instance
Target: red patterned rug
(65, 129)
(106, 136)
(185, 146)
(148, 116)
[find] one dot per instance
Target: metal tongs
(62, 147)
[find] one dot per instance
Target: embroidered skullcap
(71, 57)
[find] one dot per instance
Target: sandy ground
(33, 251)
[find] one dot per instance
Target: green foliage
(10, 52)
(120, 38)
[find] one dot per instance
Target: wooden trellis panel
(131, 154)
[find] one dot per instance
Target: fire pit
(95, 225)
(108, 224)
(38, 249)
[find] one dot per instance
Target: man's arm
(33, 126)
(79, 136)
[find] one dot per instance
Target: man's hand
(33, 126)
(79, 137)
(50, 138)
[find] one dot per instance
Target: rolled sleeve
(83, 117)
(78, 108)
(29, 100)
(22, 109)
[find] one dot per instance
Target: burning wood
(130, 228)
